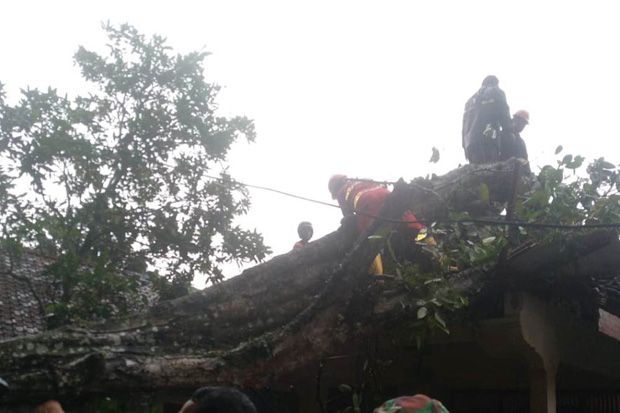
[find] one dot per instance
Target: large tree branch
(277, 317)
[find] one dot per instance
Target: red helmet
(335, 183)
(523, 114)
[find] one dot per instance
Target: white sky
(364, 88)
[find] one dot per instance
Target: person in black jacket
(486, 119)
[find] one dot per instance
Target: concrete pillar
(542, 389)
(539, 333)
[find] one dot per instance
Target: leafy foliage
(424, 269)
(119, 176)
(568, 193)
(571, 194)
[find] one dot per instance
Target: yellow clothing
(376, 268)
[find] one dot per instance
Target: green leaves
(568, 193)
(119, 175)
(571, 163)
(566, 159)
(580, 197)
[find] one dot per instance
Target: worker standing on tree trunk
(365, 200)
(486, 119)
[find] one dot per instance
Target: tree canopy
(131, 174)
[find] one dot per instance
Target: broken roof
(25, 292)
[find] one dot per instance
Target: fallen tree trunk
(252, 329)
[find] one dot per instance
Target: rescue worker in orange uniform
(365, 200)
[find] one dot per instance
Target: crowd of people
(230, 400)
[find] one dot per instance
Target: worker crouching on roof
(364, 200)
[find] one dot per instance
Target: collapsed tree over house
(274, 319)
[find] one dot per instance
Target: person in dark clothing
(513, 145)
(486, 119)
(218, 400)
(520, 120)
(305, 232)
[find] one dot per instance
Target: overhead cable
(478, 221)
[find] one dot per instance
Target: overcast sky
(355, 87)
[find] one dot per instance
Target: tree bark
(259, 327)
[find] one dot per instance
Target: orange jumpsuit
(365, 199)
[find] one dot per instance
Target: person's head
(336, 182)
(50, 406)
(305, 231)
(520, 119)
(419, 403)
(490, 81)
(218, 400)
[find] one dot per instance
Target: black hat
(304, 225)
(490, 80)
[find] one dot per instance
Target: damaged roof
(25, 292)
